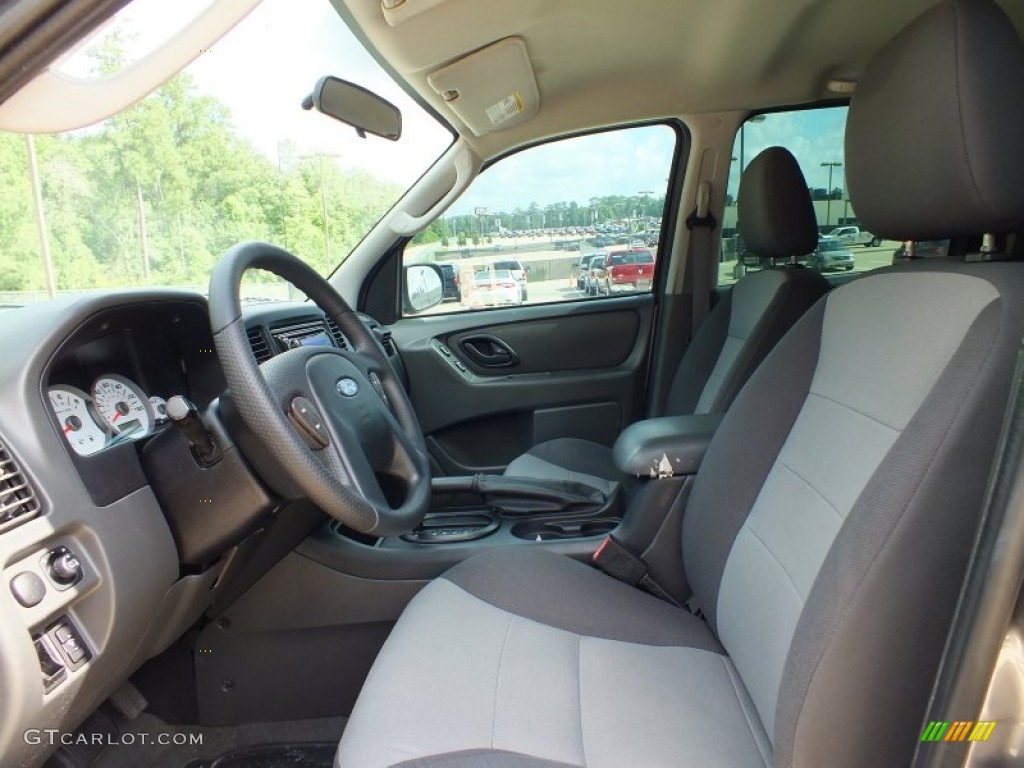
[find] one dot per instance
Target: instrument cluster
(114, 410)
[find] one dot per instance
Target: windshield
(219, 154)
(830, 245)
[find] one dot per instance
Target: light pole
(828, 192)
(646, 194)
(323, 206)
(37, 199)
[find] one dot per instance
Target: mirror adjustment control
(66, 568)
(63, 567)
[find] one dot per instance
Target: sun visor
(397, 11)
(491, 89)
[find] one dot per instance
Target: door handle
(489, 351)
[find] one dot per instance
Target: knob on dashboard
(64, 566)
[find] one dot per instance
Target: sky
(814, 136)
(264, 67)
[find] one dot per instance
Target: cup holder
(556, 530)
(447, 528)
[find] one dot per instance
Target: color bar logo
(958, 730)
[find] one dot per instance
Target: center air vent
(17, 501)
(258, 342)
(339, 339)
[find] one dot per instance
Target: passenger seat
(777, 221)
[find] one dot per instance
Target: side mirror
(354, 105)
(423, 288)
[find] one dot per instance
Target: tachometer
(71, 406)
(122, 406)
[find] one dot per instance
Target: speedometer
(122, 405)
(71, 406)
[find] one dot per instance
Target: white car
(518, 272)
(496, 287)
(850, 236)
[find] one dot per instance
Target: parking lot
(546, 291)
(865, 259)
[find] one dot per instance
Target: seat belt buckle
(618, 561)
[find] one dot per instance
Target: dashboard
(113, 538)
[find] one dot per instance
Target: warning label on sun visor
(505, 109)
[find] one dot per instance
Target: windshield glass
(221, 153)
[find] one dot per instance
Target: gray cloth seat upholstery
(828, 530)
(777, 221)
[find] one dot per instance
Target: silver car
(831, 254)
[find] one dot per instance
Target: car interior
(361, 511)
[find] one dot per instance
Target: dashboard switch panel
(64, 636)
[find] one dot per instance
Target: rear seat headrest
(935, 133)
(774, 211)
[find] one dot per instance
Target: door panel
(578, 372)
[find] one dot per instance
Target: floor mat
(274, 756)
(235, 746)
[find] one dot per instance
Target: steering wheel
(338, 422)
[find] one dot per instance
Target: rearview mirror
(354, 105)
(424, 288)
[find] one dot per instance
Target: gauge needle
(67, 428)
(117, 415)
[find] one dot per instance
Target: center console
(469, 514)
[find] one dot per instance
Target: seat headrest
(774, 211)
(935, 132)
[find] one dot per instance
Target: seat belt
(702, 225)
(619, 561)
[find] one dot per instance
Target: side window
(815, 137)
(568, 220)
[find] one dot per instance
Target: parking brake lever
(184, 415)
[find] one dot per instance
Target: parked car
(593, 273)
(580, 268)
(629, 270)
(923, 249)
(496, 287)
(850, 236)
(450, 282)
(518, 272)
(830, 254)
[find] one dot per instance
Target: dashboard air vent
(339, 339)
(387, 342)
(260, 348)
(17, 501)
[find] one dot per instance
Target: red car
(629, 270)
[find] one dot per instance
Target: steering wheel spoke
(338, 423)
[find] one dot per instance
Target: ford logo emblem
(347, 387)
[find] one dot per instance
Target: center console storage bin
(666, 446)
